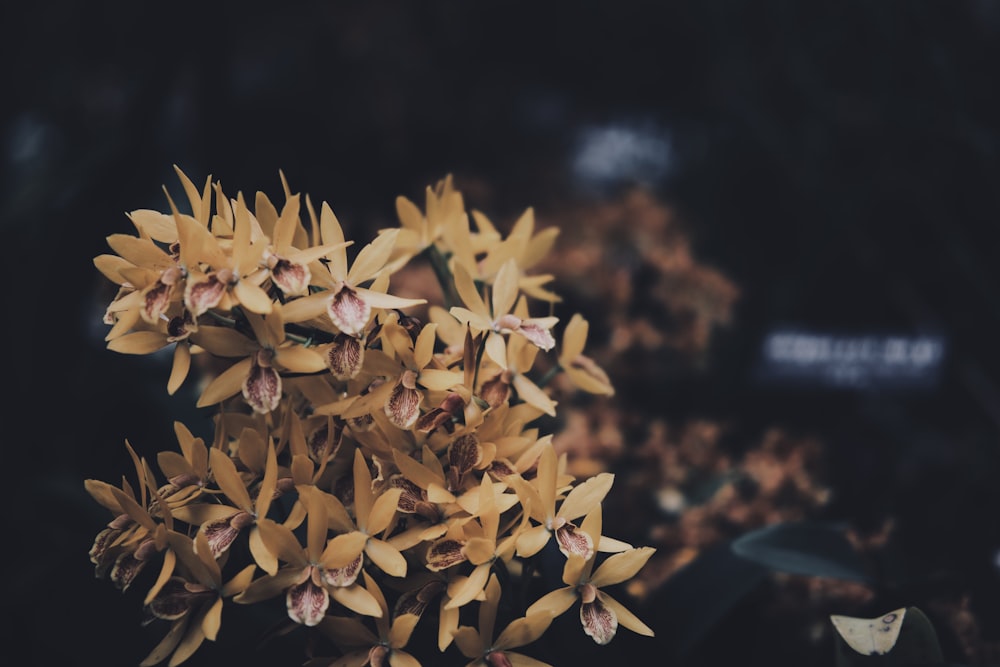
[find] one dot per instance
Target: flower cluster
(364, 441)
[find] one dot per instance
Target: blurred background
(778, 217)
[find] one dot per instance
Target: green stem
(228, 321)
(549, 376)
(306, 341)
(440, 265)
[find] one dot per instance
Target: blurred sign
(869, 361)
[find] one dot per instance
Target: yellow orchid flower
(488, 652)
(314, 573)
(361, 646)
(600, 613)
(192, 604)
(495, 316)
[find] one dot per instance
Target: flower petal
(343, 576)
(262, 388)
(345, 357)
(536, 332)
(621, 566)
(403, 406)
(599, 621)
(348, 311)
(203, 294)
(386, 556)
(443, 554)
(307, 603)
(291, 278)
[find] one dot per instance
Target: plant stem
(549, 376)
(440, 265)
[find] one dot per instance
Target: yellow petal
(357, 599)
(226, 384)
(372, 258)
(213, 620)
(111, 266)
(382, 512)
(262, 556)
(333, 234)
(166, 571)
(224, 342)
(386, 556)
(155, 224)
(505, 288)
(378, 299)
(299, 359)
(467, 291)
(468, 642)
(469, 589)
(252, 297)
(553, 603)
(531, 394)
(282, 542)
(439, 380)
(574, 339)
(305, 308)
(523, 631)
(496, 350)
(409, 214)
(586, 496)
(229, 479)
(140, 252)
(167, 645)
(140, 342)
(479, 550)
(179, 368)
(625, 617)
(343, 550)
(532, 540)
(621, 566)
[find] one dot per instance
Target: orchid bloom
(539, 499)
(495, 317)
(488, 652)
(600, 613)
(258, 374)
(221, 524)
(348, 304)
(361, 646)
(193, 605)
(313, 573)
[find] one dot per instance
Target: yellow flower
(445, 210)
(522, 246)
(372, 516)
(600, 613)
(135, 536)
(404, 365)
(289, 254)
(479, 545)
(313, 573)
(264, 357)
(219, 277)
(495, 317)
(582, 370)
(222, 524)
(361, 646)
(348, 304)
(539, 500)
(192, 604)
(487, 652)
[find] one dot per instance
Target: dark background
(838, 161)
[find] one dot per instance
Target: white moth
(870, 636)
